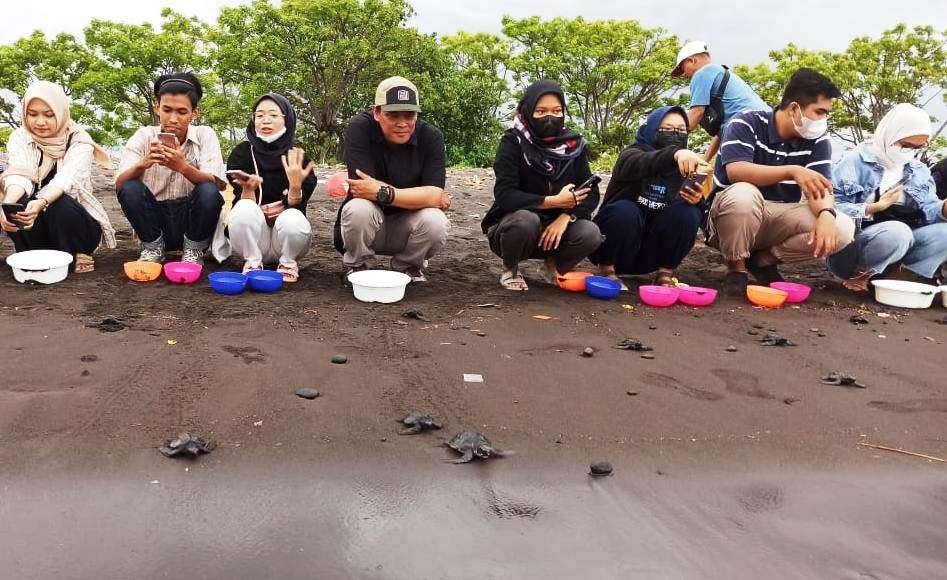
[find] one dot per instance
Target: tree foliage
(327, 56)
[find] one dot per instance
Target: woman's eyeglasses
(267, 116)
(674, 131)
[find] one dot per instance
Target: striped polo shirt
(752, 136)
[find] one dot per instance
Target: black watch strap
(831, 210)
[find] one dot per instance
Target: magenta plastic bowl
(182, 272)
(795, 292)
(660, 296)
(696, 296)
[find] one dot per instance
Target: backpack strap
(718, 94)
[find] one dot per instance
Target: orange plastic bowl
(572, 281)
(139, 271)
(765, 296)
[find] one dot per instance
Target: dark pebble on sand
(790, 400)
(752, 332)
(600, 468)
(86, 373)
(648, 356)
(858, 319)
(655, 327)
(307, 392)
(731, 348)
(481, 334)
(339, 359)
(588, 351)
(758, 326)
(631, 393)
(88, 358)
(821, 335)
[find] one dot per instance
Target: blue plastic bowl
(227, 282)
(264, 280)
(601, 287)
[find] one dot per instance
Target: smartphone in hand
(9, 209)
(588, 183)
(168, 140)
(238, 174)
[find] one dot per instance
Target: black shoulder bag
(712, 118)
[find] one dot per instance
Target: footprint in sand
(761, 498)
(669, 382)
(742, 383)
(911, 406)
(249, 354)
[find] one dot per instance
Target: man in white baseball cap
(717, 93)
(397, 172)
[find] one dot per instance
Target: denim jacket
(856, 177)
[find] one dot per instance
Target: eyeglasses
(675, 131)
(908, 145)
(267, 116)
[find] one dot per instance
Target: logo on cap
(403, 95)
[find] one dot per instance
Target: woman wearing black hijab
(268, 221)
(537, 212)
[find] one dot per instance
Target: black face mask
(667, 139)
(548, 126)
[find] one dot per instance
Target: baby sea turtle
(472, 444)
(632, 345)
(842, 380)
(186, 444)
(776, 340)
(416, 421)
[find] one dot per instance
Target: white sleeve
(20, 154)
(210, 158)
(75, 168)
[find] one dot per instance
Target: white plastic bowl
(43, 266)
(382, 286)
(904, 294)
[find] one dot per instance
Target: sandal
(513, 281)
(248, 267)
(84, 264)
(290, 273)
(612, 275)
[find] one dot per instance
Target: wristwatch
(385, 195)
(830, 210)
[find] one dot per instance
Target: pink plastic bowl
(659, 296)
(336, 185)
(695, 296)
(182, 272)
(795, 292)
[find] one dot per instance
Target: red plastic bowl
(795, 292)
(182, 272)
(660, 296)
(696, 296)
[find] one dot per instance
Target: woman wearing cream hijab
(892, 197)
(50, 163)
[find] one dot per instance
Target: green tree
(61, 60)
(613, 71)
(129, 58)
(326, 56)
(902, 66)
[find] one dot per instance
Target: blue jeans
(193, 218)
(639, 241)
(878, 246)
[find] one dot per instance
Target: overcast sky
(738, 31)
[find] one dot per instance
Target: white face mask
(901, 155)
(810, 128)
(273, 137)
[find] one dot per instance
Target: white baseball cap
(688, 50)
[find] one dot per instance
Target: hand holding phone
(168, 140)
(238, 174)
(9, 210)
(588, 183)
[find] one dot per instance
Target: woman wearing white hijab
(50, 160)
(893, 200)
